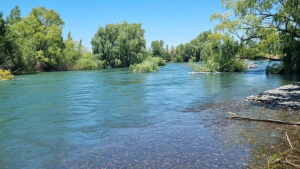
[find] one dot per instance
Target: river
(113, 119)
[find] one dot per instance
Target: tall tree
(167, 54)
(40, 39)
(157, 48)
(273, 23)
(120, 44)
(198, 43)
(14, 16)
(2, 42)
(9, 55)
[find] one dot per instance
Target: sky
(173, 21)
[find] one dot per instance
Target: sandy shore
(287, 96)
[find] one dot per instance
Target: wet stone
(287, 96)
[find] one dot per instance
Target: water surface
(113, 119)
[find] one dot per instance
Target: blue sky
(173, 21)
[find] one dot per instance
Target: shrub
(91, 63)
(6, 74)
(149, 65)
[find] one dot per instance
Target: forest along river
(111, 118)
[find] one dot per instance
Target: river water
(113, 119)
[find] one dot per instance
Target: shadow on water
(114, 119)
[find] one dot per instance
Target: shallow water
(113, 119)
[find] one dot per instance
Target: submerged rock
(287, 96)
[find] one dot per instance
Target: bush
(159, 61)
(178, 58)
(219, 54)
(235, 65)
(91, 63)
(6, 74)
(149, 65)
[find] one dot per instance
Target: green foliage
(198, 44)
(251, 50)
(273, 23)
(14, 16)
(274, 161)
(178, 58)
(191, 51)
(90, 63)
(2, 40)
(6, 75)
(120, 45)
(72, 52)
(34, 43)
(219, 55)
(180, 55)
(167, 54)
(198, 68)
(149, 65)
(157, 48)
(38, 40)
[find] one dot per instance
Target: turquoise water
(113, 119)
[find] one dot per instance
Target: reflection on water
(110, 118)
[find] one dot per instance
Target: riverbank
(287, 96)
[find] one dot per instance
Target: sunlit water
(114, 119)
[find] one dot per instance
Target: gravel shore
(287, 96)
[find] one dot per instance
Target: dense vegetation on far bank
(35, 43)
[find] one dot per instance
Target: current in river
(114, 119)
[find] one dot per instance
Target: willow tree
(274, 24)
(72, 52)
(120, 45)
(39, 39)
(198, 42)
(192, 51)
(157, 48)
(219, 54)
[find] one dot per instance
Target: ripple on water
(113, 119)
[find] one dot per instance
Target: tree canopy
(35, 43)
(272, 23)
(120, 45)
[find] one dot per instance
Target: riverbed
(114, 119)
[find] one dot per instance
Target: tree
(14, 16)
(198, 43)
(192, 51)
(157, 48)
(185, 52)
(35, 43)
(39, 36)
(167, 55)
(2, 42)
(120, 45)
(273, 23)
(71, 52)
(179, 53)
(9, 52)
(219, 54)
